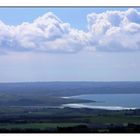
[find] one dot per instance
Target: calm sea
(108, 101)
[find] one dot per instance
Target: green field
(37, 125)
(87, 120)
(116, 119)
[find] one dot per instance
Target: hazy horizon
(67, 82)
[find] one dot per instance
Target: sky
(69, 44)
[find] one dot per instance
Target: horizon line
(14, 82)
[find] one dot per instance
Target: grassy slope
(37, 125)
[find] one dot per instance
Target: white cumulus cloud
(115, 30)
(107, 31)
(45, 34)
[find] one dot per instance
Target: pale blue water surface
(108, 101)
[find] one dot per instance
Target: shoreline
(76, 105)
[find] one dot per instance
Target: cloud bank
(112, 31)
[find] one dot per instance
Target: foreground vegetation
(70, 120)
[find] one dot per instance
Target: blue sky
(15, 16)
(108, 61)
